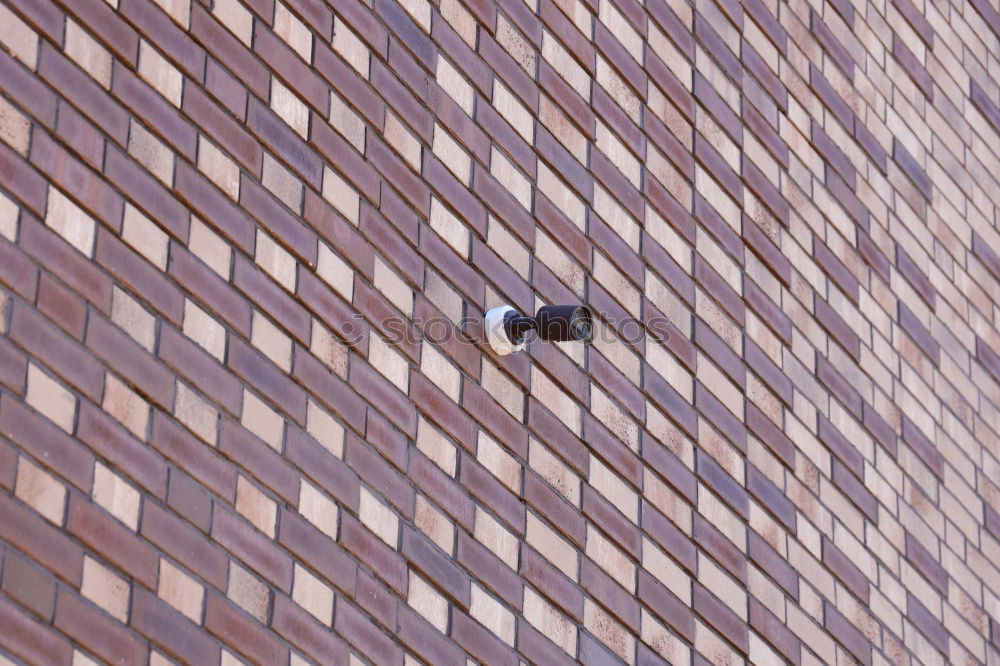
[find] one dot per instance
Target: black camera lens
(564, 323)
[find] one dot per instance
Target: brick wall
(246, 414)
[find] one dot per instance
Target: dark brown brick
(417, 634)
(773, 564)
(62, 260)
(260, 460)
(36, 434)
(39, 540)
(441, 571)
(847, 634)
(135, 272)
(721, 618)
(29, 586)
(301, 629)
(203, 463)
(386, 563)
(259, 552)
(31, 640)
(174, 633)
(187, 545)
(189, 499)
(97, 632)
(363, 634)
(843, 568)
(668, 537)
(257, 371)
(17, 271)
(61, 305)
(200, 368)
(147, 104)
(486, 488)
(101, 433)
(775, 632)
(130, 360)
(242, 633)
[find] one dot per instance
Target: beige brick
(449, 227)
(552, 546)
(623, 159)
(664, 642)
(15, 128)
(133, 319)
(178, 10)
(549, 621)
(338, 192)
(420, 10)
(379, 518)
(561, 61)
(325, 429)
(393, 287)
(554, 471)
(621, 29)
(515, 113)
(563, 129)
(312, 594)
(151, 153)
(85, 51)
(69, 221)
(126, 406)
(443, 296)
(399, 137)
(722, 585)
(715, 649)
(350, 47)
(428, 602)
(180, 591)
(560, 263)
(119, 498)
(492, 614)
(204, 330)
(608, 630)
(8, 218)
(436, 446)
(510, 177)
(503, 389)
(561, 404)
(318, 509)
(295, 33)
(50, 398)
(616, 217)
(617, 283)
(453, 83)
(40, 490)
(614, 489)
(436, 367)
(460, 20)
(248, 592)
(276, 261)
(262, 421)
(105, 589)
(255, 506)
(282, 183)
(80, 659)
(435, 525)
(194, 412)
(666, 570)
(18, 38)
(501, 464)
(269, 339)
(210, 248)
(390, 363)
(290, 108)
(619, 91)
(564, 199)
(148, 239)
(219, 168)
(610, 558)
(328, 349)
(516, 45)
(233, 15)
(507, 246)
(453, 156)
(159, 73)
(347, 122)
(498, 539)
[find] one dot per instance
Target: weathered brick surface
(246, 412)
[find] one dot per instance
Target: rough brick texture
(247, 414)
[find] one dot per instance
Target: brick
(303, 631)
(241, 633)
(99, 431)
(114, 542)
(97, 633)
(31, 432)
(168, 628)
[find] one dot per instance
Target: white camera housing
(496, 334)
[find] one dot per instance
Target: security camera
(507, 329)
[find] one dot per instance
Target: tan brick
(561, 404)
(722, 585)
(119, 498)
(178, 10)
(312, 594)
(436, 446)
(180, 591)
(18, 38)
(549, 621)
(511, 178)
(560, 263)
(621, 29)
(563, 129)
(561, 61)
(554, 471)
(40, 490)
(219, 168)
(493, 535)
(233, 15)
(148, 239)
(506, 245)
(15, 128)
(443, 296)
(318, 509)
(434, 524)
(436, 367)
(289, 108)
(352, 49)
(151, 153)
(282, 183)
(607, 556)
(552, 546)
(347, 122)
(69, 221)
(8, 218)
(424, 599)
(453, 83)
(389, 362)
(80, 659)
(608, 630)
(210, 248)
(561, 196)
(105, 589)
(460, 20)
(449, 227)
(513, 111)
(248, 592)
(338, 192)
(420, 10)
(126, 406)
(667, 644)
(393, 287)
(255, 506)
(492, 614)
(623, 159)
(328, 349)
(271, 341)
(325, 429)
(717, 651)
(506, 392)
(295, 33)
(50, 398)
(403, 142)
(614, 489)
(379, 518)
(159, 73)
(276, 261)
(262, 421)
(666, 570)
(500, 463)
(204, 330)
(453, 156)
(85, 51)
(619, 91)
(616, 217)
(194, 412)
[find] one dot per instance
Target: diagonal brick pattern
(247, 415)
